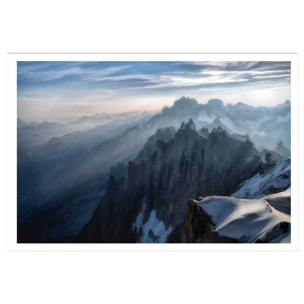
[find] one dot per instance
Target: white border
(11, 205)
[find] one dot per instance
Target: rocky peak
(162, 135)
(183, 125)
(219, 129)
(216, 105)
(189, 125)
(185, 102)
(282, 150)
(215, 102)
(165, 134)
(280, 145)
(241, 105)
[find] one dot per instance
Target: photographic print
(154, 151)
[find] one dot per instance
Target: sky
(62, 90)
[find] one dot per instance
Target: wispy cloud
(169, 75)
(272, 76)
(75, 83)
(169, 81)
(37, 73)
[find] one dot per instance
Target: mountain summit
(185, 102)
(189, 125)
(282, 150)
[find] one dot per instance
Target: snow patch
(153, 230)
(277, 176)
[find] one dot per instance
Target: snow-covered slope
(280, 201)
(151, 231)
(274, 179)
(246, 220)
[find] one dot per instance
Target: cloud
(203, 74)
(49, 72)
(245, 65)
(152, 74)
(103, 82)
(169, 81)
(100, 74)
(272, 76)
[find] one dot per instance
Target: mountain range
(130, 180)
(92, 121)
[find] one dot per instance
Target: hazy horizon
(71, 118)
(59, 91)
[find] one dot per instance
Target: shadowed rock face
(220, 219)
(280, 201)
(183, 167)
(197, 228)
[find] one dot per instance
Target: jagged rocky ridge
(149, 201)
(61, 182)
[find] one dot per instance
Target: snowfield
(275, 177)
(153, 230)
(246, 220)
